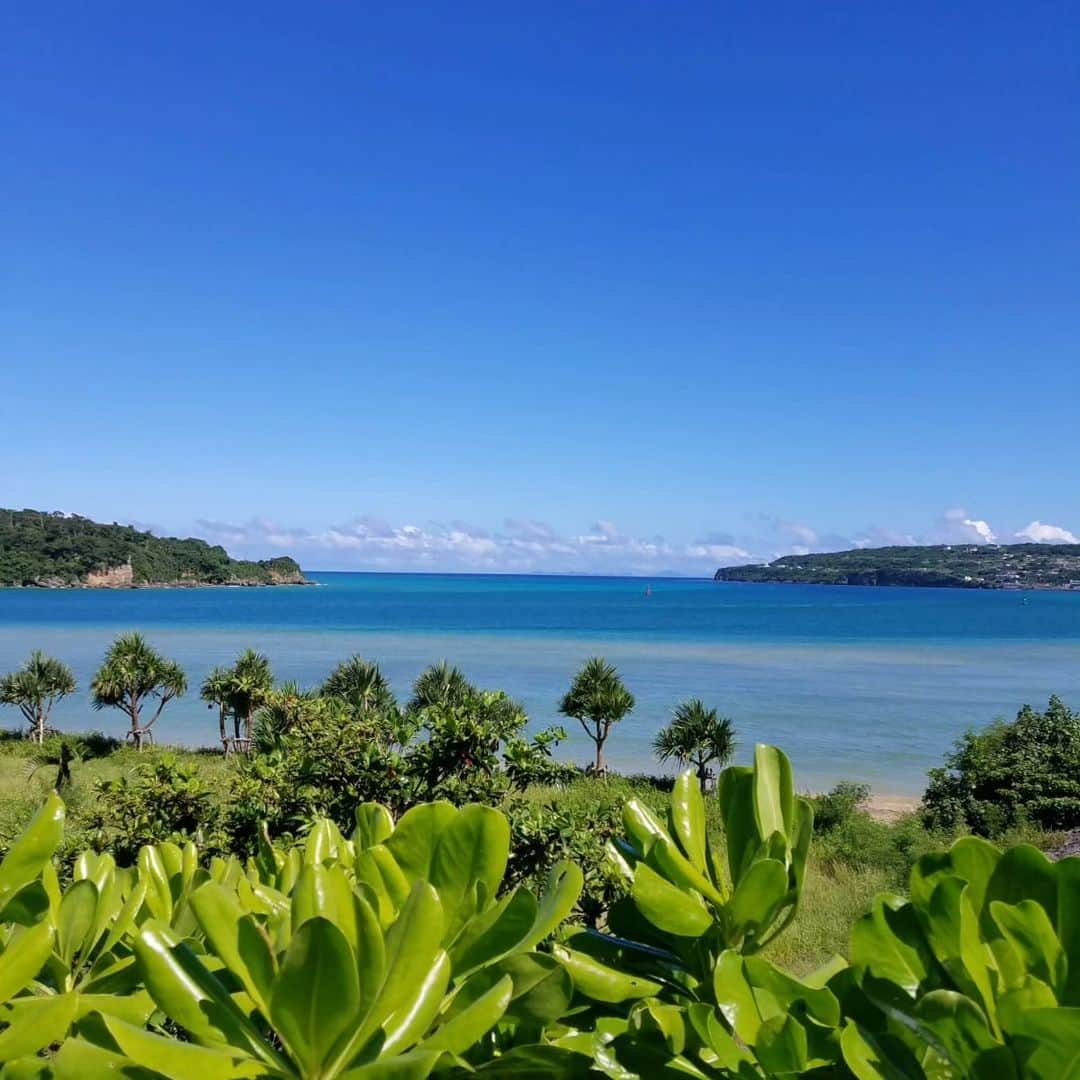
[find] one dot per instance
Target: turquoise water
(860, 683)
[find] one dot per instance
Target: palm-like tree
(215, 691)
(696, 736)
(252, 681)
(35, 688)
(440, 684)
(361, 684)
(598, 700)
(132, 676)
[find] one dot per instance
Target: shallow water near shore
(870, 684)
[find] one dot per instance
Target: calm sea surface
(861, 683)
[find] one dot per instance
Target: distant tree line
(38, 548)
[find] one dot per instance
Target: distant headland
(958, 566)
(55, 550)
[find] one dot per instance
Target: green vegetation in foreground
(55, 549)
(401, 947)
(962, 566)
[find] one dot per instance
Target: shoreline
(889, 808)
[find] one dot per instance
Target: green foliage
(163, 800)
(361, 684)
(35, 688)
(390, 953)
(598, 700)
(956, 566)
(239, 692)
(132, 677)
(696, 736)
(1008, 774)
(38, 547)
(404, 949)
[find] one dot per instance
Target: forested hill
(964, 566)
(55, 550)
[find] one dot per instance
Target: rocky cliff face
(115, 577)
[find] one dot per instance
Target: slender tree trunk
(703, 775)
(600, 767)
(221, 725)
(39, 726)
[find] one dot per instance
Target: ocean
(867, 684)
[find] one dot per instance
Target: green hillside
(964, 566)
(56, 549)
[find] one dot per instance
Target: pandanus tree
(251, 683)
(440, 684)
(598, 700)
(696, 736)
(133, 678)
(360, 683)
(35, 688)
(215, 691)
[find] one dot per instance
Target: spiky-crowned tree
(215, 691)
(35, 688)
(251, 683)
(696, 736)
(361, 684)
(440, 684)
(598, 700)
(132, 677)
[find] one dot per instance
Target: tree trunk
(703, 775)
(600, 767)
(39, 727)
(221, 725)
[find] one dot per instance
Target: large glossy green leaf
(666, 857)
(324, 843)
(688, 819)
(416, 836)
(187, 992)
(735, 793)
(542, 987)
(958, 1024)
(601, 982)
(315, 996)
(758, 895)
(469, 1025)
(373, 825)
(469, 862)
(878, 1056)
(561, 891)
(1024, 873)
(24, 957)
(642, 826)
(888, 941)
(78, 1059)
(40, 1022)
(237, 939)
(412, 951)
(1032, 993)
(1068, 926)
(782, 1046)
(820, 1003)
(734, 996)
(152, 871)
(180, 1060)
(505, 926)
(774, 791)
(75, 920)
(414, 1066)
(1051, 1040)
(408, 1023)
(669, 908)
(28, 855)
(1031, 934)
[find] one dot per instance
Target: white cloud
(523, 546)
(1039, 533)
(958, 527)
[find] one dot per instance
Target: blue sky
(602, 286)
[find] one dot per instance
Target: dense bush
(402, 950)
(1011, 773)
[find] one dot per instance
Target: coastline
(889, 808)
